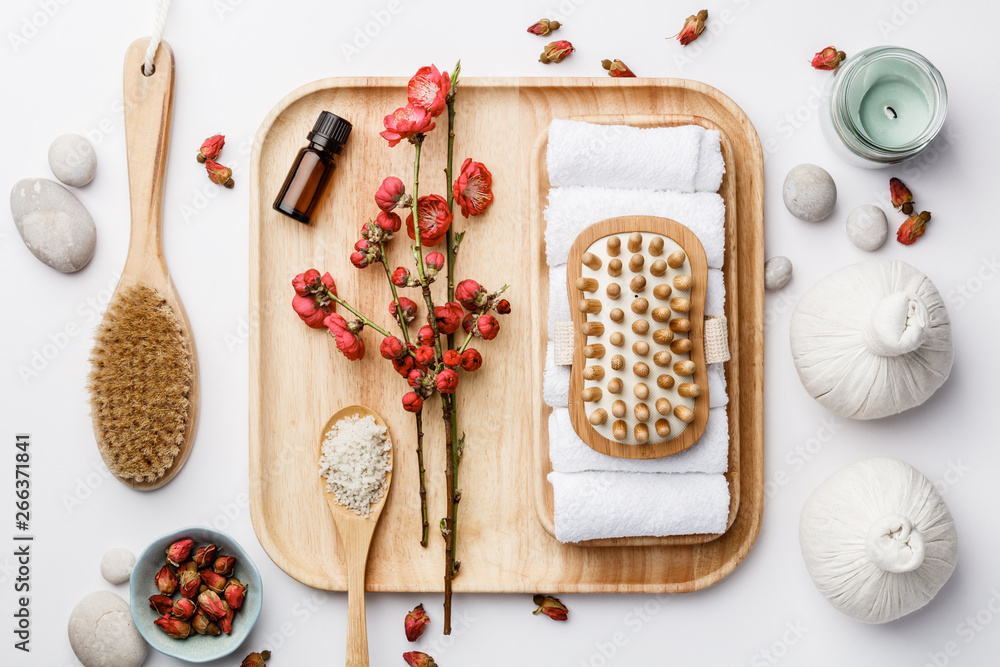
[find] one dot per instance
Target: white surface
(233, 66)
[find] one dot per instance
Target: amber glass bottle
(313, 167)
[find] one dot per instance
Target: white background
(238, 58)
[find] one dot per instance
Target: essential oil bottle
(314, 165)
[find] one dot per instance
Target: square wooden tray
(298, 379)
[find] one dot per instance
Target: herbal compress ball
(878, 540)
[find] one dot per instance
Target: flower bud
(503, 307)
(472, 360)
(203, 625)
(452, 358)
(210, 603)
(468, 322)
(418, 659)
(389, 222)
(425, 355)
(161, 604)
(256, 659)
(189, 584)
(166, 580)
(226, 622)
(235, 593)
(390, 193)
(211, 147)
(391, 348)
(408, 307)
(555, 52)
(415, 378)
(543, 27)
(412, 402)
(829, 58)
(913, 228)
(224, 565)
(183, 609)
(215, 582)
(551, 607)
(902, 198)
(178, 552)
(470, 294)
(694, 25)
(401, 276)
(403, 365)
(425, 336)
(449, 317)
(617, 69)
(175, 627)
(488, 326)
(447, 381)
(434, 262)
(219, 174)
(205, 556)
(415, 622)
(359, 259)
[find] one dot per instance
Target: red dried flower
(425, 335)
(391, 348)
(401, 276)
(555, 52)
(226, 622)
(183, 609)
(694, 25)
(213, 606)
(235, 593)
(451, 358)
(913, 228)
(166, 580)
(428, 89)
(487, 325)
(407, 305)
(617, 68)
(390, 194)
(224, 565)
(348, 342)
(551, 607)
(449, 317)
(435, 218)
(543, 27)
(447, 381)
(256, 659)
(211, 147)
(503, 307)
(405, 122)
(829, 58)
(470, 294)
(178, 552)
(412, 402)
(902, 198)
(389, 222)
(215, 582)
(415, 622)
(189, 583)
(161, 604)
(473, 189)
(205, 556)
(472, 360)
(174, 627)
(418, 659)
(425, 355)
(219, 174)
(434, 262)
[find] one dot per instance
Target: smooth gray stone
(809, 193)
(52, 222)
(867, 227)
(777, 272)
(102, 634)
(117, 564)
(72, 159)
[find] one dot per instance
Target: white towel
(682, 159)
(573, 209)
(558, 297)
(715, 293)
(570, 454)
(591, 505)
(555, 387)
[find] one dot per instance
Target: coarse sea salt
(355, 462)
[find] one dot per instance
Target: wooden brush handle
(148, 103)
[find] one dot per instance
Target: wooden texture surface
(735, 207)
(148, 102)
(297, 377)
(355, 533)
(656, 447)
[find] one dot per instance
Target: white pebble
(867, 227)
(809, 193)
(53, 223)
(102, 634)
(72, 159)
(777, 272)
(117, 564)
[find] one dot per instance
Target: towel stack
(604, 171)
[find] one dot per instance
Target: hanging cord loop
(160, 20)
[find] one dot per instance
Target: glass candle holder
(887, 106)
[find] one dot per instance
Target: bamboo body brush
(144, 368)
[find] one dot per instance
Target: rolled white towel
(591, 505)
(573, 209)
(717, 396)
(715, 293)
(570, 454)
(555, 387)
(558, 297)
(711, 166)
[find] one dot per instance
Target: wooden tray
(544, 500)
(297, 379)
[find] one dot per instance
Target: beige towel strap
(716, 339)
(562, 339)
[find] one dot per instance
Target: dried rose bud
(472, 360)
(418, 659)
(203, 625)
(226, 622)
(215, 582)
(902, 198)
(415, 622)
(452, 358)
(503, 307)
(256, 659)
(447, 381)
(187, 566)
(488, 326)
(425, 335)
(434, 262)
(556, 52)
(211, 147)
(694, 25)
(617, 68)
(175, 627)
(166, 580)
(543, 27)
(401, 276)
(829, 58)
(205, 556)
(219, 174)
(183, 609)
(224, 565)
(551, 607)
(412, 402)
(235, 593)
(178, 552)
(390, 194)
(425, 355)
(189, 584)
(470, 294)
(161, 604)
(212, 604)
(913, 228)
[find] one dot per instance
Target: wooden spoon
(355, 537)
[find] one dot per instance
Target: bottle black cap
(330, 131)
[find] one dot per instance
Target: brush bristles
(140, 377)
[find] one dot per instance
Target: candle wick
(890, 112)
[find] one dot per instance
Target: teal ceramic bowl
(196, 648)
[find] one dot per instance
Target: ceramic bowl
(196, 648)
